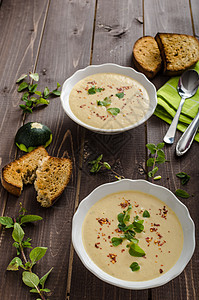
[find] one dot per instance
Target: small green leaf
(30, 218)
(161, 153)
(33, 99)
(106, 165)
(30, 279)
(120, 95)
(37, 253)
(22, 86)
(58, 85)
(138, 225)
(105, 102)
(146, 214)
(21, 78)
(34, 291)
(134, 266)
(32, 88)
(42, 101)
(116, 241)
(45, 290)
(25, 96)
(151, 147)
(160, 160)
(160, 145)
(113, 111)
(15, 264)
(18, 233)
(92, 90)
(99, 89)
(34, 76)
(152, 173)
(7, 222)
(184, 177)
(46, 92)
(182, 194)
(135, 250)
(43, 279)
(38, 93)
(56, 93)
(150, 162)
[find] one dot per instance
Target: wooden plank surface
(56, 38)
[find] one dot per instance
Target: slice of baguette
(52, 176)
(22, 171)
(179, 52)
(146, 56)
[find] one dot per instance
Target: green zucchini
(32, 135)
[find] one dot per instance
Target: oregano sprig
(31, 96)
(157, 157)
(98, 163)
(28, 277)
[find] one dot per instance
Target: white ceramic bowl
(107, 68)
(141, 185)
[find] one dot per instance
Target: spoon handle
(169, 136)
(186, 139)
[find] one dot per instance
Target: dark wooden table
(56, 38)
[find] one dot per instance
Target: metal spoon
(187, 87)
(186, 139)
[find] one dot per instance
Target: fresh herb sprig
(184, 177)
(29, 278)
(31, 96)
(129, 232)
(98, 164)
(158, 158)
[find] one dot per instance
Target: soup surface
(109, 101)
(161, 240)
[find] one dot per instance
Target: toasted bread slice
(22, 171)
(52, 176)
(179, 52)
(146, 56)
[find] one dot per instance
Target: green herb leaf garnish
(146, 214)
(120, 95)
(135, 250)
(134, 266)
(114, 111)
(94, 90)
(116, 241)
(158, 158)
(184, 177)
(182, 194)
(105, 102)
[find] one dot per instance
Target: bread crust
(146, 56)
(174, 52)
(14, 174)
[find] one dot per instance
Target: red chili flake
(96, 245)
(148, 239)
(156, 255)
(169, 251)
(122, 250)
(118, 230)
(124, 204)
(112, 257)
(100, 228)
(156, 224)
(109, 237)
(162, 265)
(92, 82)
(109, 86)
(79, 91)
(161, 271)
(152, 229)
(103, 221)
(136, 205)
(81, 106)
(159, 235)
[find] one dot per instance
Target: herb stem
(155, 157)
(23, 254)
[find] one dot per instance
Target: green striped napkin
(168, 102)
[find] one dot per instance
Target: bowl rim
(93, 69)
(85, 204)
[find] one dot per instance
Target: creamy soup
(109, 101)
(161, 240)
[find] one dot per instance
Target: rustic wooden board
(60, 53)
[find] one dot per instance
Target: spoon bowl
(187, 87)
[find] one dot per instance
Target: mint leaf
(18, 233)
(146, 214)
(152, 173)
(105, 102)
(106, 165)
(56, 93)
(21, 78)
(43, 279)
(32, 88)
(134, 266)
(15, 264)
(92, 90)
(182, 194)
(135, 250)
(37, 253)
(152, 148)
(116, 241)
(30, 279)
(150, 162)
(46, 92)
(184, 177)
(22, 86)
(58, 85)
(160, 145)
(114, 111)
(138, 225)
(30, 218)
(34, 76)
(120, 95)
(34, 291)
(7, 222)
